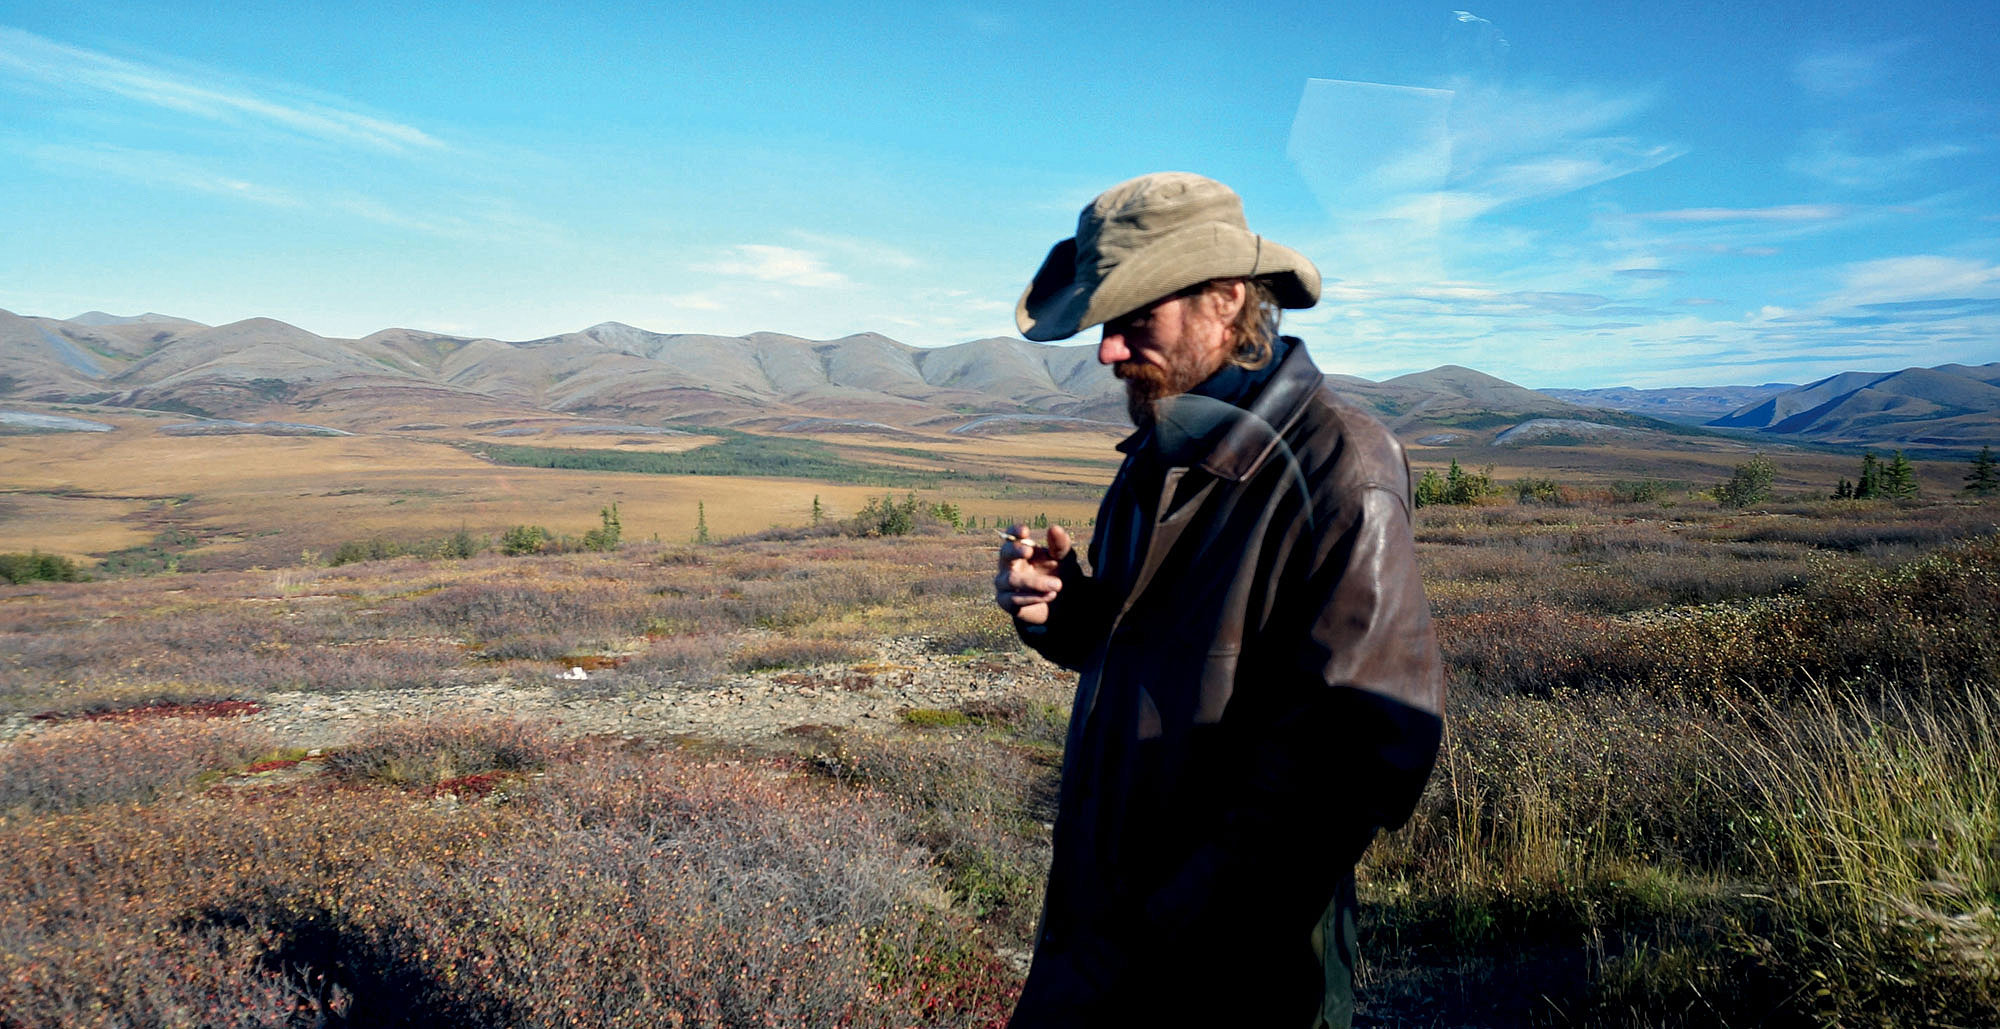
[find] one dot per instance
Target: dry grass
(261, 500)
(622, 888)
(1777, 810)
(86, 763)
(1702, 768)
(680, 614)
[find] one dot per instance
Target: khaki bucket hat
(1149, 238)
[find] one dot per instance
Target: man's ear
(1227, 299)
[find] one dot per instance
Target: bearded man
(1261, 688)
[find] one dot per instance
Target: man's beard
(1148, 384)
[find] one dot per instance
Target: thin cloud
(483, 220)
(864, 250)
(779, 265)
(1833, 156)
(1371, 150)
(1838, 70)
(154, 168)
(1916, 277)
(60, 66)
(695, 302)
(1779, 213)
(1650, 273)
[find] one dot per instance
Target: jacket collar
(1222, 439)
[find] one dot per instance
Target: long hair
(1255, 330)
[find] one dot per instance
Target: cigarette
(1029, 540)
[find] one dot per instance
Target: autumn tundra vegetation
(1725, 757)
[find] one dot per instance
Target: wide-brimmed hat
(1149, 238)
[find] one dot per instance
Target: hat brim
(1056, 305)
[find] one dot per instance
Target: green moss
(933, 718)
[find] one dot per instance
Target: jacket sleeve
(1371, 712)
(1079, 617)
(1346, 750)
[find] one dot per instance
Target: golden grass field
(1703, 766)
(254, 499)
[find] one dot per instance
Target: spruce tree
(1984, 479)
(1870, 485)
(1899, 479)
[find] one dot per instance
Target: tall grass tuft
(1876, 824)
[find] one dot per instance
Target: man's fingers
(1020, 548)
(1020, 577)
(1058, 542)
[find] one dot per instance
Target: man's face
(1164, 349)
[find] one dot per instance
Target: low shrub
(524, 539)
(428, 753)
(457, 546)
(796, 653)
(974, 628)
(37, 567)
(682, 660)
(980, 807)
(623, 889)
(87, 762)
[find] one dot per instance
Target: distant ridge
(1951, 405)
(99, 318)
(260, 370)
(1694, 405)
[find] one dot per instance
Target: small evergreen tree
(700, 522)
(1870, 485)
(1844, 491)
(1532, 490)
(1984, 479)
(1430, 488)
(1899, 479)
(524, 539)
(463, 544)
(819, 513)
(608, 532)
(1749, 484)
(948, 513)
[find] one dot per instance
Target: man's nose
(1112, 349)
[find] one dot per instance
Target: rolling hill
(260, 370)
(1951, 405)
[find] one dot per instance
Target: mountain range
(266, 370)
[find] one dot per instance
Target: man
(1260, 684)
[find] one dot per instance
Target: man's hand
(1027, 579)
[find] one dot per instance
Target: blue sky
(1561, 194)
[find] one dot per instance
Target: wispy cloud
(1835, 156)
(695, 302)
(154, 168)
(867, 251)
(1836, 69)
(463, 217)
(1779, 213)
(1916, 277)
(775, 264)
(1405, 153)
(24, 55)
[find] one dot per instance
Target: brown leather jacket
(1261, 689)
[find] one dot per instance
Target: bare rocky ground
(904, 675)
